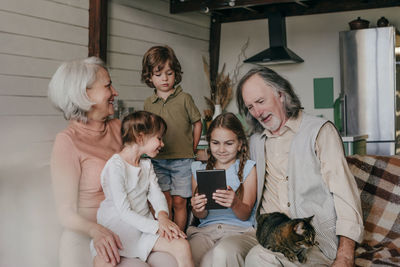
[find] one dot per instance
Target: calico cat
(292, 237)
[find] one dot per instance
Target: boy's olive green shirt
(179, 112)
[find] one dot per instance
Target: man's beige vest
(308, 193)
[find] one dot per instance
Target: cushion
(378, 179)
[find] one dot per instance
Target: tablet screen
(208, 181)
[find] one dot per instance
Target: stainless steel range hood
(278, 53)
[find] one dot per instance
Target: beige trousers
(220, 245)
(75, 251)
(260, 256)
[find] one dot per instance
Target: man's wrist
(346, 249)
(345, 257)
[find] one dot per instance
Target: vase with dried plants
(221, 90)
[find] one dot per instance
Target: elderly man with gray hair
(301, 171)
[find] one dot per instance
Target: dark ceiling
(240, 10)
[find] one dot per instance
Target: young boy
(162, 71)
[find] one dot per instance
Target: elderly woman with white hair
(83, 91)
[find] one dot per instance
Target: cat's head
(305, 232)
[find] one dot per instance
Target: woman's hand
(167, 228)
(106, 244)
(226, 198)
(198, 203)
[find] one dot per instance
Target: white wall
(315, 38)
(135, 26)
(35, 37)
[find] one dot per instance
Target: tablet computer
(208, 181)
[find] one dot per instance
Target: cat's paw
(290, 256)
(302, 258)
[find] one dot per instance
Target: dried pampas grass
(221, 90)
(220, 93)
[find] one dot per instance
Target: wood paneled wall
(35, 37)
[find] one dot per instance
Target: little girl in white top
(129, 183)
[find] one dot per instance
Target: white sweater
(125, 210)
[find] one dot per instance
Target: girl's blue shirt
(227, 216)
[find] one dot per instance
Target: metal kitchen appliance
(370, 87)
(278, 52)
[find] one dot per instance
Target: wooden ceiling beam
(301, 3)
(179, 6)
(258, 9)
(313, 7)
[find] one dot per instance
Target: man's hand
(345, 253)
(343, 262)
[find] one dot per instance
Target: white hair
(67, 88)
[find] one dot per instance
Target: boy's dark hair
(230, 122)
(156, 57)
(141, 123)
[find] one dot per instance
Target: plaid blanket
(378, 179)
